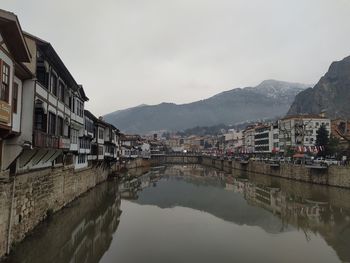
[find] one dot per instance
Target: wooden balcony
(44, 140)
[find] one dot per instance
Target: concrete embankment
(332, 176)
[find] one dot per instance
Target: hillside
(330, 95)
(269, 99)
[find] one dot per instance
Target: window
(81, 158)
(89, 125)
(80, 108)
(74, 136)
(15, 97)
(67, 98)
(60, 126)
(61, 92)
(84, 143)
(100, 150)
(39, 119)
(54, 84)
(52, 123)
(5, 82)
(100, 133)
(42, 75)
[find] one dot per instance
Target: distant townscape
(53, 150)
(44, 122)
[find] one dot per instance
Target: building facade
(42, 112)
(14, 52)
(300, 130)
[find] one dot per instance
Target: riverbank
(195, 199)
(333, 175)
(29, 198)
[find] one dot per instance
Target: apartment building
(249, 139)
(300, 130)
(266, 138)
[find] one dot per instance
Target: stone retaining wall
(36, 195)
(333, 176)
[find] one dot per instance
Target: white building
(300, 130)
(249, 139)
(266, 138)
(14, 52)
(233, 139)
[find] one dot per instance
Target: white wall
(13, 147)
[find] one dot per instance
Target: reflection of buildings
(309, 215)
(272, 204)
(82, 233)
(277, 202)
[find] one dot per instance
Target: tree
(333, 146)
(322, 136)
(322, 139)
(289, 151)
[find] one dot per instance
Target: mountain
(330, 95)
(269, 99)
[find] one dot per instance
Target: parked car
(319, 160)
(331, 162)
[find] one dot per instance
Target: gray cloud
(128, 52)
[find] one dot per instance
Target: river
(196, 214)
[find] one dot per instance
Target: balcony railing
(44, 140)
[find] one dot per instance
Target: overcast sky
(129, 52)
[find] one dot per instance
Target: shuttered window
(15, 98)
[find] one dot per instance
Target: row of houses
(292, 132)
(43, 121)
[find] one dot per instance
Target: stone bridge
(178, 158)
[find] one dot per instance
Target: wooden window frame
(6, 95)
(54, 84)
(52, 123)
(60, 126)
(61, 91)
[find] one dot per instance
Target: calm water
(196, 214)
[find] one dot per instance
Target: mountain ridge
(330, 95)
(266, 100)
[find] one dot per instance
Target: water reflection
(80, 233)
(275, 205)
(197, 214)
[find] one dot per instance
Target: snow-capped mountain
(269, 99)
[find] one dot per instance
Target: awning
(299, 155)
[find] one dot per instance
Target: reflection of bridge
(182, 154)
(179, 158)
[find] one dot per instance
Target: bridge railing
(181, 154)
